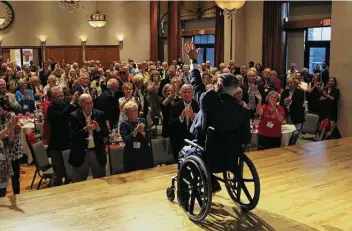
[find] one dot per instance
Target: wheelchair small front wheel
(170, 193)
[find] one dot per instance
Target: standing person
(58, 117)
(134, 132)
(7, 137)
(269, 131)
(87, 147)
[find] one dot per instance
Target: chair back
(310, 126)
(68, 167)
(222, 150)
(116, 159)
(162, 152)
(294, 138)
(39, 127)
(40, 156)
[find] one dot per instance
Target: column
(234, 46)
(341, 61)
(173, 31)
(154, 30)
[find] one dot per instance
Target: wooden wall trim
(20, 47)
(303, 24)
(194, 32)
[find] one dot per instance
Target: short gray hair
(110, 83)
(55, 90)
(186, 86)
(83, 97)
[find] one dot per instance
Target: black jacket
(60, 134)
(79, 137)
(296, 109)
(109, 105)
(230, 121)
(180, 130)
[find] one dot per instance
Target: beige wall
(247, 34)
(295, 48)
(38, 18)
(254, 32)
(341, 61)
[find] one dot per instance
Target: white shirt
(91, 143)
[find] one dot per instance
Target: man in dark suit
(182, 116)
(88, 130)
(58, 117)
(108, 103)
(218, 109)
(171, 72)
(266, 84)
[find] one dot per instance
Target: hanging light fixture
(69, 6)
(2, 20)
(230, 6)
(97, 20)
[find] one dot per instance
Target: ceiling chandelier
(97, 20)
(69, 6)
(2, 20)
(230, 7)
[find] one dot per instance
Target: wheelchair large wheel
(244, 186)
(194, 190)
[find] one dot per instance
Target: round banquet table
(24, 130)
(286, 130)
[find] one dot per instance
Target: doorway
(317, 47)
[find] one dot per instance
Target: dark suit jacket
(296, 111)
(271, 84)
(109, 105)
(230, 120)
(180, 130)
(144, 92)
(60, 134)
(79, 137)
(162, 84)
(220, 111)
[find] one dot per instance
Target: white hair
(83, 97)
(186, 86)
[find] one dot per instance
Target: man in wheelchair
(218, 110)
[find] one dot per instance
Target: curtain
(154, 30)
(273, 50)
(219, 37)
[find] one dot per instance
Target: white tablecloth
(286, 129)
(24, 130)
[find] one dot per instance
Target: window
(319, 34)
(206, 43)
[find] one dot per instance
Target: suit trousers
(58, 165)
(81, 173)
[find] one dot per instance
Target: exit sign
(326, 22)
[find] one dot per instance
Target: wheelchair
(194, 183)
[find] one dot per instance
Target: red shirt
(269, 126)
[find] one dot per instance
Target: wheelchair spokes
(194, 189)
(244, 186)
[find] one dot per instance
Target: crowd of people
(83, 104)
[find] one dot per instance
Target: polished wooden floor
(307, 187)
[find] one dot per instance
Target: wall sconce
(42, 38)
(120, 39)
(83, 38)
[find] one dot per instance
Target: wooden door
(69, 54)
(105, 54)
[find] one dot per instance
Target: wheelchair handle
(194, 145)
(210, 129)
